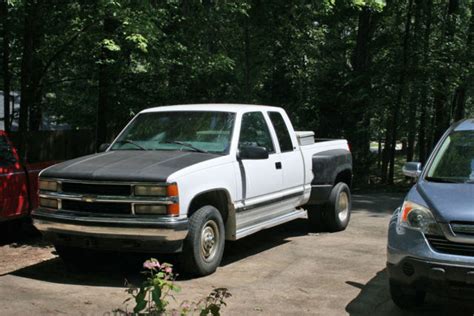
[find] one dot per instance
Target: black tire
(406, 297)
(204, 245)
(335, 215)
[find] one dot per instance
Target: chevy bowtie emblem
(89, 198)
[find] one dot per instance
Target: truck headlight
(150, 190)
(418, 217)
(156, 190)
(48, 185)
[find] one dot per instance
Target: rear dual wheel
(335, 214)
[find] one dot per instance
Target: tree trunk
(27, 69)
(386, 151)
(460, 94)
(414, 97)
(422, 144)
(359, 136)
(247, 60)
(442, 112)
(459, 103)
(400, 93)
(6, 63)
(105, 94)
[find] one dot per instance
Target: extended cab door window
(284, 138)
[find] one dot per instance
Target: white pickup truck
(187, 178)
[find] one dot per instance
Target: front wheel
(204, 246)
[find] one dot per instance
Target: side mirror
(103, 147)
(412, 169)
(252, 152)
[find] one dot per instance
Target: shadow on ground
(112, 269)
(20, 233)
(374, 299)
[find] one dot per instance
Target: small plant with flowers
(152, 297)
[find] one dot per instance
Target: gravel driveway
(285, 271)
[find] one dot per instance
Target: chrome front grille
(101, 197)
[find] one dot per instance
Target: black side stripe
(272, 201)
(243, 177)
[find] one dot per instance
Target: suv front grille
(441, 244)
(96, 189)
(97, 207)
(463, 228)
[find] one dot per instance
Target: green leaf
(140, 300)
(156, 296)
(110, 45)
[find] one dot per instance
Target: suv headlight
(416, 216)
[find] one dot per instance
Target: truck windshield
(198, 131)
(454, 161)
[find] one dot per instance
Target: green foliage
(342, 68)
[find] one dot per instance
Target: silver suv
(431, 236)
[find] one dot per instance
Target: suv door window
(284, 138)
(254, 132)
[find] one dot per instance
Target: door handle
(278, 165)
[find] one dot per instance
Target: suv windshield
(198, 131)
(454, 161)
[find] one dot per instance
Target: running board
(245, 231)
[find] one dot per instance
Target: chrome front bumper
(110, 227)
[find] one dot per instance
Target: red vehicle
(18, 182)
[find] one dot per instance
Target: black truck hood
(126, 165)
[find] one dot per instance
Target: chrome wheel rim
(209, 240)
(343, 207)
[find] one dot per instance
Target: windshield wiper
(441, 180)
(186, 145)
(129, 141)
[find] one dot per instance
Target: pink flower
(168, 269)
(151, 264)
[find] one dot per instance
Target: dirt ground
(281, 271)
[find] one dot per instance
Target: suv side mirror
(252, 152)
(103, 147)
(412, 169)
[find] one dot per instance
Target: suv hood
(448, 201)
(127, 165)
